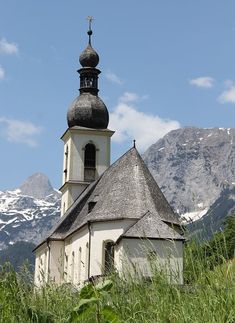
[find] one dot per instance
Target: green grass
(208, 296)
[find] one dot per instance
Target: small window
(108, 257)
(88, 82)
(89, 162)
(91, 205)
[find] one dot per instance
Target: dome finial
(90, 19)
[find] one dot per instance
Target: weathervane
(90, 19)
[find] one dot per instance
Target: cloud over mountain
(130, 123)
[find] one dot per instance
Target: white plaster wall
(65, 201)
(79, 140)
(56, 261)
(101, 232)
(76, 139)
(76, 271)
(66, 159)
(41, 265)
(69, 194)
(76, 267)
(119, 257)
(165, 255)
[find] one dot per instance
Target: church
(112, 217)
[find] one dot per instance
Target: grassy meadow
(208, 294)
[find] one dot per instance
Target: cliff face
(193, 166)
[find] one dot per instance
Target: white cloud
(228, 96)
(131, 124)
(129, 97)
(113, 78)
(2, 73)
(204, 82)
(8, 48)
(19, 131)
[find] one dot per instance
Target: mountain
(19, 254)
(194, 167)
(213, 220)
(38, 186)
(28, 212)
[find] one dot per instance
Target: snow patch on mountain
(193, 216)
(28, 217)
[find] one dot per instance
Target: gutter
(89, 251)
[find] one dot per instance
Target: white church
(112, 217)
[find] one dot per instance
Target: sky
(165, 64)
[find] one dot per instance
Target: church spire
(89, 59)
(88, 110)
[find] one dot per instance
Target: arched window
(89, 162)
(108, 257)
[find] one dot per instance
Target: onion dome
(89, 57)
(88, 110)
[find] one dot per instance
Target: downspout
(48, 261)
(89, 250)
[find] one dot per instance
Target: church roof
(125, 190)
(151, 227)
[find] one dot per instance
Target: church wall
(65, 201)
(101, 232)
(66, 161)
(119, 256)
(76, 257)
(41, 265)
(166, 255)
(70, 194)
(79, 140)
(75, 141)
(56, 261)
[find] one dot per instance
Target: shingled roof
(125, 190)
(151, 227)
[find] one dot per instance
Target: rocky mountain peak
(37, 186)
(193, 166)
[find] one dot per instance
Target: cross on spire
(90, 19)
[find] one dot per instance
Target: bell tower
(87, 139)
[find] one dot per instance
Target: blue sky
(165, 64)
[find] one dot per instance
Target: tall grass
(208, 296)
